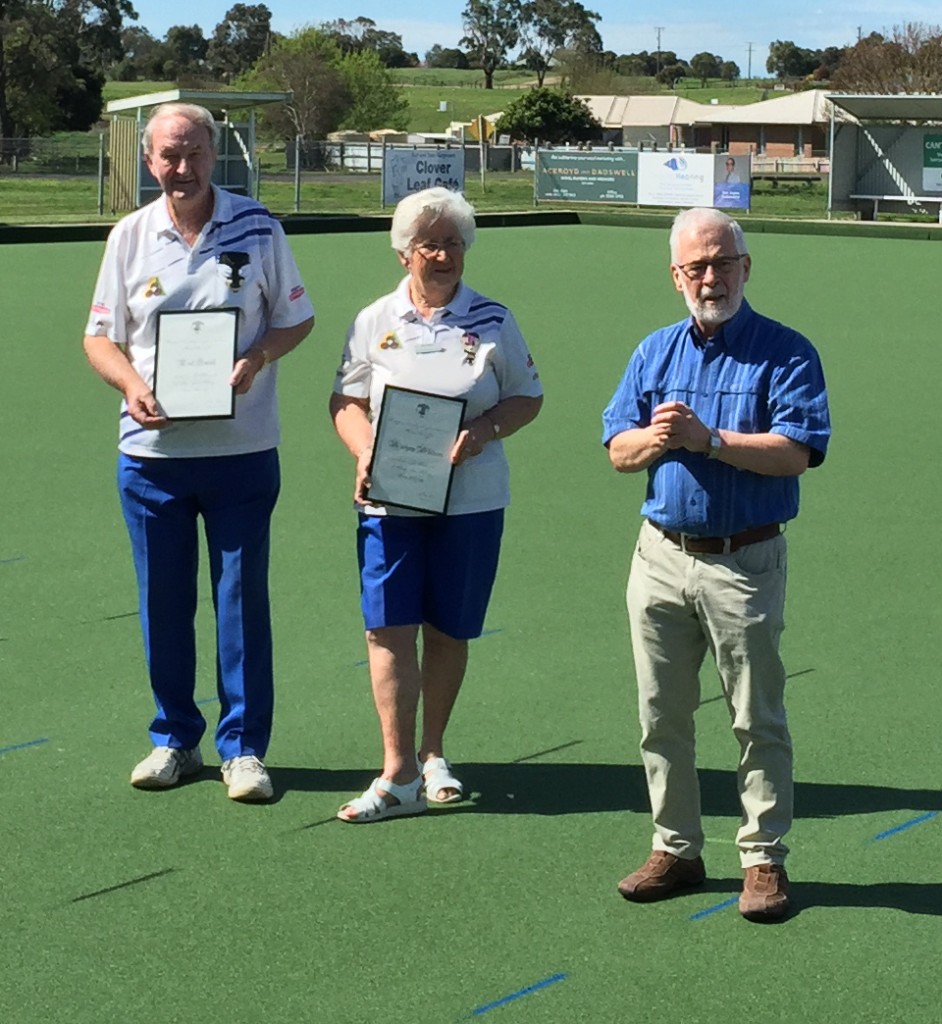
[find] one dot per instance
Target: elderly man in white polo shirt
(197, 247)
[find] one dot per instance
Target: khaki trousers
(679, 605)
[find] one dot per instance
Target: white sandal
(373, 806)
(438, 777)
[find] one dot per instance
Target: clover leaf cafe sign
(411, 170)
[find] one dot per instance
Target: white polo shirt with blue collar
(241, 259)
(472, 349)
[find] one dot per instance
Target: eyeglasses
(696, 271)
(431, 249)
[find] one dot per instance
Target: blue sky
(627, 26)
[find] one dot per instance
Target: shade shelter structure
(886, 154)
(132, 184)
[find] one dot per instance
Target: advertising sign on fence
(675, 179)
(732, 176)
(932, 163)
(586, 177)
(648, 179)
(410, 170)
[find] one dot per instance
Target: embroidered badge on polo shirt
(235, 261)
(153, 289)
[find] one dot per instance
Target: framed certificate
(410, 466)
(195, 353)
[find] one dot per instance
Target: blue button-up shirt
(754, 376)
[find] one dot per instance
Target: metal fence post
(101, 173)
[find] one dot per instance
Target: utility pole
(658, 29)
(749, 72)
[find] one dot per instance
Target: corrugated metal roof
(808, 107)
(213, 100)
(889, 108)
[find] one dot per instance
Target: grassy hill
(464, 98)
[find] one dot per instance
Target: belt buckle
(727, 545)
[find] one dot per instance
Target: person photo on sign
(425, 576)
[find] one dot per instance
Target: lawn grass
(132, 907)
(37, 200)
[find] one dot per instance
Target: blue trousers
(235, 496)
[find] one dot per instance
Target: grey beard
(715, 313)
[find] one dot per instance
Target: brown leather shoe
(661, 875)
(764, 893)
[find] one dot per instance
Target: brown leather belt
(720, 545)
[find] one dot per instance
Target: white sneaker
(246, 778)
(165, 766)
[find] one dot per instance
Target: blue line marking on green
(22, 746)
(902, 828)
(712, 910)
(481, 1010)
(207, 700)
(10, 561)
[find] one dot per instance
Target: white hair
(190, 111)
(705, 215)
(420, 210)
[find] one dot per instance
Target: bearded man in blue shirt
(724, 411)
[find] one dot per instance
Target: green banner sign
(586, 177)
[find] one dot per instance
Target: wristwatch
(716, 443)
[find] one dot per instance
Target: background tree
(331, 89)
(492, 31)
(51, 56)
(729, 71)
(910, 61)
(362, 34)
(549, 25)
(307, 64)
(439, 57)
(239, 40)
(786, 60)
(185, 49)
(829, 60)
(141, 55)
(634, 65)
(97, 24)
(670, 74)
(374, 100)
(548, 115)
(706, 65)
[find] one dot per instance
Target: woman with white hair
(424, 573)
